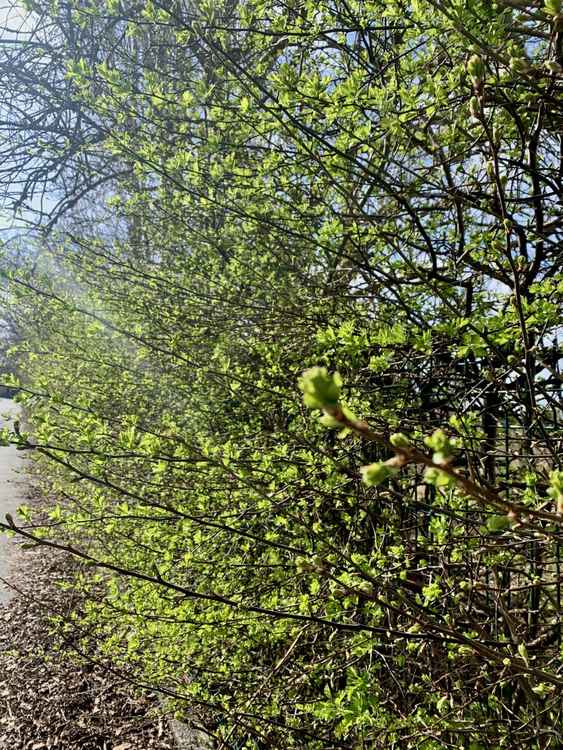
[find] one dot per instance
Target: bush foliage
(289, 356)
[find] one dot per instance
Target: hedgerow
(290, 363)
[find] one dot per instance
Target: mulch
(50, 700)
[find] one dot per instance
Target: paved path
(12, 490)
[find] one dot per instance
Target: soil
(50, 700)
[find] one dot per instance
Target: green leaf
(498, 523)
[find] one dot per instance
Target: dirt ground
(50, 700)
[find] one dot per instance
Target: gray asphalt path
(12, 490)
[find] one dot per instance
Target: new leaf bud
(320, 389)
(552, 7)
(378, 472)
(476, 69)
(400, 440)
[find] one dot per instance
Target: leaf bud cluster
(321, 390)
(552, 7)
(476, 70)
(400, 440)
(378, 472)
(442, 445)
